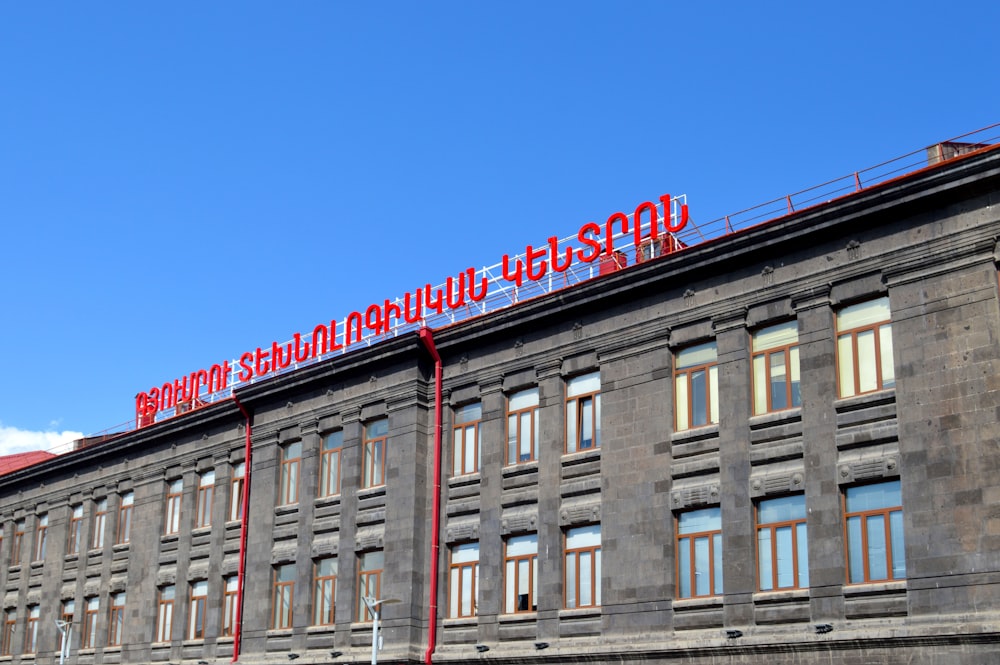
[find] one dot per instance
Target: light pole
(66, 630)
(373, 607)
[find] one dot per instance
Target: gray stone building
(782, 444)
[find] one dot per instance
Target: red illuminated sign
(469, 287)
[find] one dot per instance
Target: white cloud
(13, 440)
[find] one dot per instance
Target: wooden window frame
(329, 464)
(687, 373)
(125, 506)
(100, 523)
(197, 608)
(41, 536)
(172, 512)
(595, 572)
(772, 528)
(324, 614)
(206, 498)
(512, 573)
(369, 584)
(116, 619)
(236, 492)
(75, 529)
(455, 581)
(885, 513)
(373, 474)
(291, 472)
(514, 419)
(461, 431)
(576, 404)
(165, 613)
(693, 538)
(283, 591)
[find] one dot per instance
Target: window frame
(329, 463)
(325, 592)
(41, 536)
(125, 506)
(9, 629)
(116, 619)
(230, 604)
(369, 581)
(16, 546)
(515, 433)
(799, 550)
(882, 343)
(165, 613)
(88, 635)
(792, 368)
(574, 554)
(886, 513)
(458, 571)
(290, 473)
(206, 499)
(31, 629)
(197, 608)
(512, 575)
(100, 523)
(464, 426)
(575, 423)
(711, 536)
(376, 448)
(236, 491)
(172, 507)
(75, 529)
(283, 590)
(686, 373)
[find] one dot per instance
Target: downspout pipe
(427, 338)
(244, 513)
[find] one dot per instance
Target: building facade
(780, 444)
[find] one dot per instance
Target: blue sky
(181, 182)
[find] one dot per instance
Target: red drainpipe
(428, 340)
(244, 510)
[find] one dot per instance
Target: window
(522, 426)
(520, 574)
(284, 588)
(699, 553)
(7, 642)
(89, 637)
(291, 458)
(125, 517)
(100, 520)
(230, 605)
(172, 523)
(583, 412)
(43, 525)
(376, 433)
(31, 630)
(329, 464)
(463, 580)
(196, 614)
(775, 352)
(15, 552)
(874, 516)
(583, 566)
(324, 591)
(466, 434)
(117, 622)
(236, 491)
(206, 489)
(165, 615)
(369, 581)
(864, 348)
(782, 543)
(68, 610)
(75, 526)
(696, 387)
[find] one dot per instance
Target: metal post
(373, 606)
(66, 630)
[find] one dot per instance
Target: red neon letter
(517, 277)
(668, 218)
(554, 255)
(354, 322)
(530, 255)
(246, 371)
(584, 235)
(471, 272)
(418, 312)
(654, 227)
(450, 284)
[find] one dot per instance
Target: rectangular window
(172, 523)
(75, 528)
(583, 566)
(699, 553)
(324, 591)
(206, 490)
(521, 574)
(291, 460)
(117, 622)
(88, 640)
(696, 387)
(196, 613)
(125, 518)
(40, 531)
(376, 435)
(68, 611)
(465, 450)
(7, 643)
(463, 580)
(775, 351)
(100, 522)
(782, 543)
(874, 517)
(522, 426)
(236, 491)
(583, 412)
(165, 615)
(31, 629)
(230, 605)
(329, 464)
(369, 581)
(864, 348)
(284, 595)
(15, 551)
